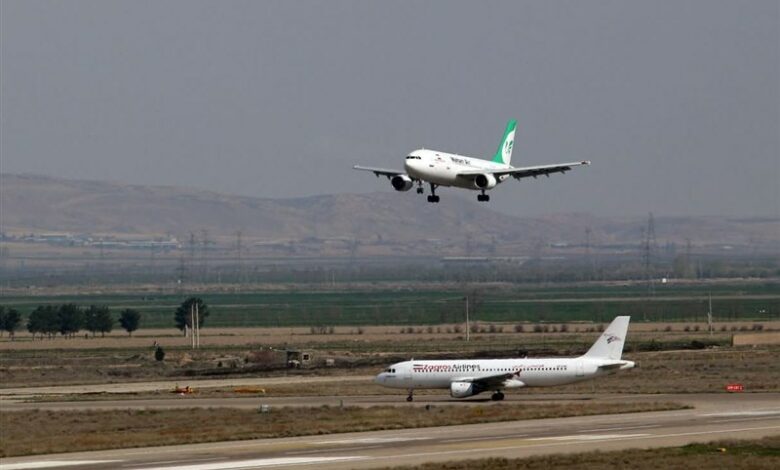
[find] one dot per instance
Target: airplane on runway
(447, 169)
(465, 378)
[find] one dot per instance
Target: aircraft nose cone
(380, 378)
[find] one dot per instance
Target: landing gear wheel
(433, 197)
(498, 396)
(410, 398)
(420, 190)
(483, 197)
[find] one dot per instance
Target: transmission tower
(204, 254)
(588, 256)
(649, 249)
(239, 260)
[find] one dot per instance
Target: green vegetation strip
(44, 432)
(432, 305)
(733, 455)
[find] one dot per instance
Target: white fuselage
(442, 168)
(542, 372)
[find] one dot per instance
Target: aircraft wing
(525, 172)
(379, 171)
(495, 381)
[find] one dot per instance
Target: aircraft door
(406, 374)
(579, 369)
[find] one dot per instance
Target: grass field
(734, 454)
(44, 432)
(433, 304)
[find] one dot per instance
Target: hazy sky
(677, 103)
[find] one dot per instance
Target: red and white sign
(735, 388)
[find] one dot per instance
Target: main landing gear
(483, 197)
(433, 197)
(411, 395)
(497, 396)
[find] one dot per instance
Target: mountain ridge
(33, 203)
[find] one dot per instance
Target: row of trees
(69, 319)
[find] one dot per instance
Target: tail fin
(504, 152)
(610, 343)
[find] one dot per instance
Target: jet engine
(401, 182)
(485, 181)
(463, 389)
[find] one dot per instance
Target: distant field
(432, 305)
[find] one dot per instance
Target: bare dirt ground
(75, 431)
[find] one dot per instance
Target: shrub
(519, 328)
(159, 354)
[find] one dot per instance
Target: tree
(159, 354)
(98, 318)
(71, 319)
(10, 320)
(129, 320)
(43, 320)
(183, 313)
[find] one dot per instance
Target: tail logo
(612, 338)
(508, 147)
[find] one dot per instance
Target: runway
(716, 416)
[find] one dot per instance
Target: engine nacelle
(485, 181)
(401, 182)
(463, 389)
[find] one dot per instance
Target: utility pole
(197, 326)
(468, 326)
(192, 323)
(709, 315)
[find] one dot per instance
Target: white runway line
(51, 464)
(733, 414)
(257, 463)
(626, 428)
(489, 438)
(587, 437)
(369, 440)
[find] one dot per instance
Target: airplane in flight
(466, 378)
(446, 169)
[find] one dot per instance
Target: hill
(39, 204)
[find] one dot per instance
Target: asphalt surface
(715, 416)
